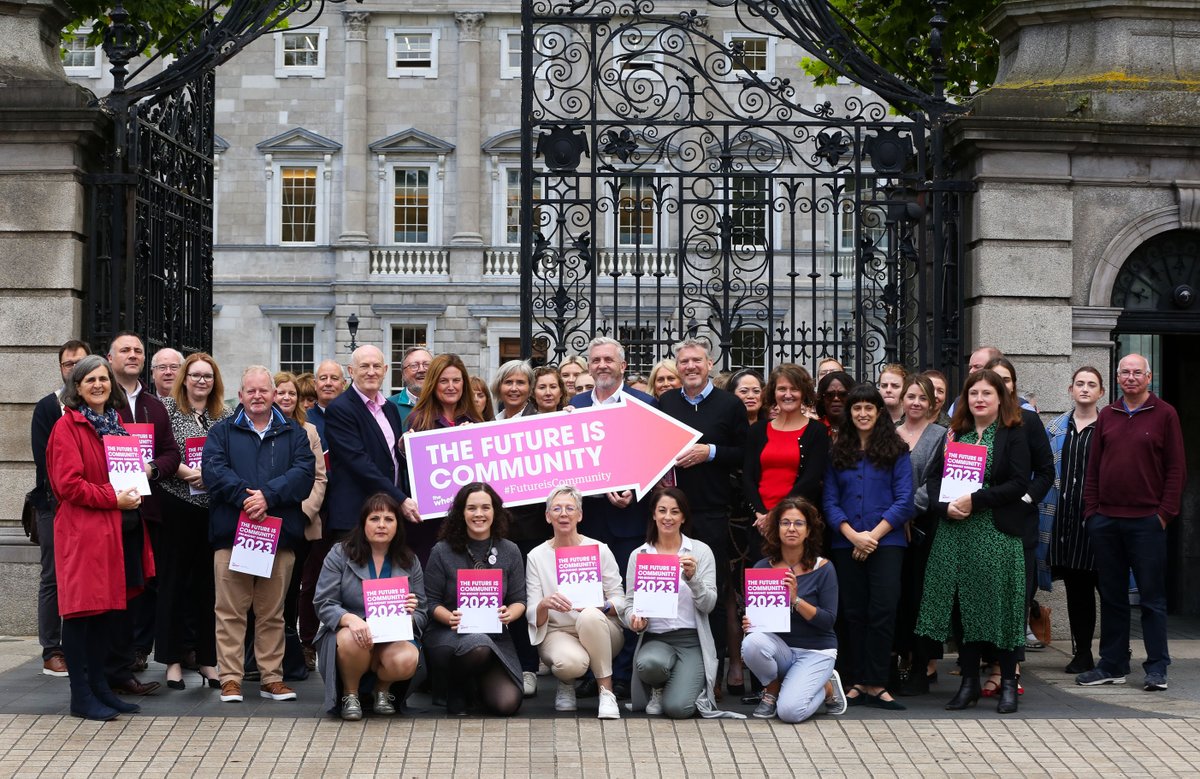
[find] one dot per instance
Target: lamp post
(352, 323)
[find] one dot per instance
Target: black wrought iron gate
(150, 213)
(673, 185)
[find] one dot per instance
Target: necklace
(491, 553)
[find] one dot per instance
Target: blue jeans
(803, 671)
(1140, 544)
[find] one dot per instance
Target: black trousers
(186, 592)
(1081, 606)
(869, 594)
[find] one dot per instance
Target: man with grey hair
(705, 470)
(413, 366)
(164, 369)
(614, 518)
(1135, 476)
(256, 463)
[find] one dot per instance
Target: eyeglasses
(835, 394)
(564, 509)
(68, 364)
(1137, 374)
(201, 378)
(417, 365)
(790, 523)
(168, 367)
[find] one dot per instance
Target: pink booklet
(767, 605)
(577, 570)
(962, 473)
(193, 456)
(656, 586)
(254, 545)
(386, 602)
(125, 465)
(144, 433)
(480, 593)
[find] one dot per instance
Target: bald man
(362, 430)
(330, 381)
(164, 369)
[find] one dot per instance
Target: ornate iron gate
(672, 186)
(150, 213)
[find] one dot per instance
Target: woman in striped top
(1070, 551)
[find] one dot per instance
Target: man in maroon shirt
(1134, 483)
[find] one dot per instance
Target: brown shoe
(132, 686)
(55, 665)
(141, 662)
(310, 658)
(277, 691)
(231, 692)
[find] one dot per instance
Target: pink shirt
(375, 406)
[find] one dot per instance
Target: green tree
(896, 34)
(166, 18)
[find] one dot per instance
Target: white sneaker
(608, 705)
(654, 705)
(529, 681)
(564, 699)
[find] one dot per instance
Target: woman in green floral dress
(977, 557)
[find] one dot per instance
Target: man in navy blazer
(362, 431)
(615, 519)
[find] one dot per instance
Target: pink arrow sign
(599, 449)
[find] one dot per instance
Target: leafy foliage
(166, 18)
(896, 34)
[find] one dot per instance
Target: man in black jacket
(705, 471)
(45, 415)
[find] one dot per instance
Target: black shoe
(914, 684)
(587, 688)
(1008, 696)
(456, 703)
(968, 693)
(106, 698)
(176, 684)
(1081, 662)
(621, 690)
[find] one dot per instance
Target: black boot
(1081, 662)
(74, 645)
(1008, 696)
(968, 692)
(97, 651)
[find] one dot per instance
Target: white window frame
(318, 320)
(500, 202)
(497, 329)
(316, 342)
(274, 170)
(387, 196)
(654, 61)
(765, 75)
(96, 69)
(430, 345)
(840, 217)
(507, 71)
(661, 237)
(399, 72)
(308, 71)
(766, 350)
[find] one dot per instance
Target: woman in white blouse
(571, 640)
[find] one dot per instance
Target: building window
(512, 205)
(870, 220)
(298, 205)
(297, 348)
(639, 348)
(413, 53)
(639, 52)
(636, 217)
(748, 349)
(300, 53)
(751, 206)
(81, 59)
(405, 337)
(510, 53)
(410, 210)
(752, 52)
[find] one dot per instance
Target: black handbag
(29, 517)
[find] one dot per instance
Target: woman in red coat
(98, 569)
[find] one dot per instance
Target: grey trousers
(49, 622)
(675, 662)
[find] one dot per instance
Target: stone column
(467, 154)
(354, 130)
(49, 141)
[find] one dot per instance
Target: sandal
(992, 686)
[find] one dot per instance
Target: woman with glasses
(796, 667)
(186, 592)
(572, 640)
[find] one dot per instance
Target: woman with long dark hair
(977, 558)
(868, 499)
(478, 666)
(375, 549)
(796, 667)
(832, 390)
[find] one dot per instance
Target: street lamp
(352, 323)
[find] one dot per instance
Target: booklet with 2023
(480, 593)
(254, 545)
(656, 586)
(963, 472)
(386, 602)
(578, 575)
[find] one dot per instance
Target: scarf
(105, 424)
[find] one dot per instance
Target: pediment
(299, 140)
(508, 142)
(411, 141)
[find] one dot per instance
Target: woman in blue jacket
(868, 498)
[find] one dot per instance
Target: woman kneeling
(796, 667)
(375, 549)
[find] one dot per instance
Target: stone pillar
(354, 130)
(467, 153)
(49, 140)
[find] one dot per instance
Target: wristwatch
(153, 472)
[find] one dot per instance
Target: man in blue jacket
(256, 463)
